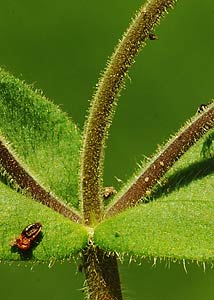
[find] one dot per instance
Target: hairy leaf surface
(61, 238)
(42, 137)
(178, 223)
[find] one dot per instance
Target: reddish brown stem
(26, 182)
(173, 151)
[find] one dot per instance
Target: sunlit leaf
(177, 224)
(61, 238)
(43, 138)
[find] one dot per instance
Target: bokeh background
(61, 47)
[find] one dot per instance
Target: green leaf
(42, 137)
(46, 144)
(178, 223)
(61, 239)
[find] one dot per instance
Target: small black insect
(201, 108)
(153, 37)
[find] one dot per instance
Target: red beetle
(28, 235)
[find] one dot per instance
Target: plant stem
(161, 164)
(102, 276)
(30, 186)
(103, 105)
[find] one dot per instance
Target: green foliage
(40, 161)
(177, 223)
(61, 237)
(42, 137)
(46, 143)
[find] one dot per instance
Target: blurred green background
(61, 47)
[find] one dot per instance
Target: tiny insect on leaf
(27, 237)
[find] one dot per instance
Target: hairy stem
(27, 183)
(161, 164)
(104, 102)
(102, 276)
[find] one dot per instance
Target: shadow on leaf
(28, 254)
(182, 178)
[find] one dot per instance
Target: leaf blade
(43, 138)
(177, 224)
(61, 240)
